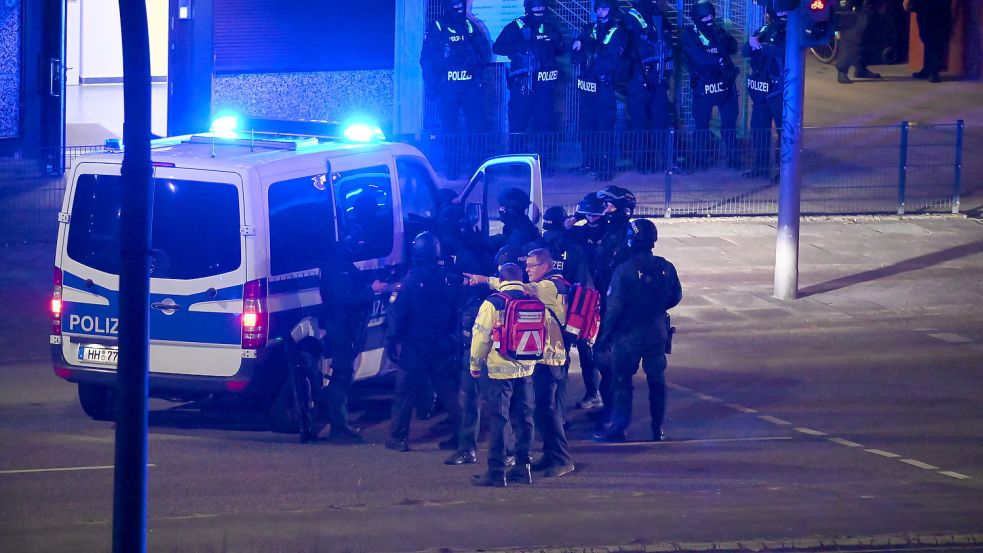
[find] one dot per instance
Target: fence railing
(848, 170)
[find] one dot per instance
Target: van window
(301, 223)
(416, 188)
(195, 227)
(365, 211)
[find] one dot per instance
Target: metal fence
(849, 170)
(892, 169)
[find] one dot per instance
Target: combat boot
(521, 474)
(490, 479)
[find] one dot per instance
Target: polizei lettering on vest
(546, 76)
(462, 75)
(586, 86)
(758, 86)
(97, 325)
(715, 88)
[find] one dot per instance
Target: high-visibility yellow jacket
(555, 351)
(482, 352)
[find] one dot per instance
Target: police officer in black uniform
(651, 51)
(707, 49)
(346, 301)
(421, 336)
(588, 235)
(765, 51)
(567, 252)
(517, 229)
(599, 51)
(532, 44)
(636, 328)
(934, 19)
(455, 50)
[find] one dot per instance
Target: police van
(240, 225)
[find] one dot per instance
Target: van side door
(480, 195)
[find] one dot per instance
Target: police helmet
(510, 253)
(702, 9)
(530, 4)
(426, 247)
(619, 197)
(554, 217)
(513, 199)
(590, 205)
(642, 234)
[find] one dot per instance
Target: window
(301, 223)
(365, 212)
(195, 227)
(416, 188)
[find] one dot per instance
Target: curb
(846, 544)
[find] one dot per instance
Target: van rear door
(480, 195)
(198, 271)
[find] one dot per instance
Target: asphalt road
(853, 412)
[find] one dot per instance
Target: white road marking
(741, 408)
(707, 441)
(919, 464)
(678, 387)
(950, 337)
(707, 397)
(774, 420)
(883, 453)
(847, 443)
(955, 475)
(61, 469)
(809, 431)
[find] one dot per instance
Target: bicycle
(827, 52)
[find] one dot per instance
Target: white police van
(240, 224)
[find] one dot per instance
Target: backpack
(583, 309)
(520, 333)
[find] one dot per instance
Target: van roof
(206, 151)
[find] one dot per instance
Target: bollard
(902, 167)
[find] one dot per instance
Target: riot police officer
(588, 235)
(765, 51)
(532, 44)
(707, 49)
(651, 53)
(517, 229)
(454, 51)
(421, 336)
(636, 329)
(567, 253)
(599, 50)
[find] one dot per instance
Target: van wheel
(97, 401)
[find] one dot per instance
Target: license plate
(98, 354)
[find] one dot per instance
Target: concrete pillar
(411, 22)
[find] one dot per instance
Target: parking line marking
(919, 464)
(707, 397)
(809, 431)
(61, 469)
(741, 408)
(774, 420)
(950, 337)
(883, 453)
(955, 475)
(847, 443)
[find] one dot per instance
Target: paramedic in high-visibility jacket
(508, 390)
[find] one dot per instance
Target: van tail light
(255, 318)
(56, 304)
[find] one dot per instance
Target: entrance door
(53, 87)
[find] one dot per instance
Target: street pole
(787, 247)
(130, 483)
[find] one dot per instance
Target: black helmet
(590, 205)
(510, 253)
(702, 9)
(530, 4)
(642, 234)
(554, 217)
(426, 247)
(513, 199)
(619, 197)
(610, 4)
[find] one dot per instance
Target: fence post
(960, 124)
(902, 167)
(670, 163)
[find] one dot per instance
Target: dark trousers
(852, 46)
(342, 373)
(765, 112)
(587, 368)
(726, 104)
(548, 416)
(531, 119)
(648, 119)
(934, 26)
(597, 115)
(457, 98)
(416, 368)
(627, 353)
(510, 403)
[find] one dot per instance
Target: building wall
(10, 56)
(101, 57)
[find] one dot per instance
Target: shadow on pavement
(913, 264)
